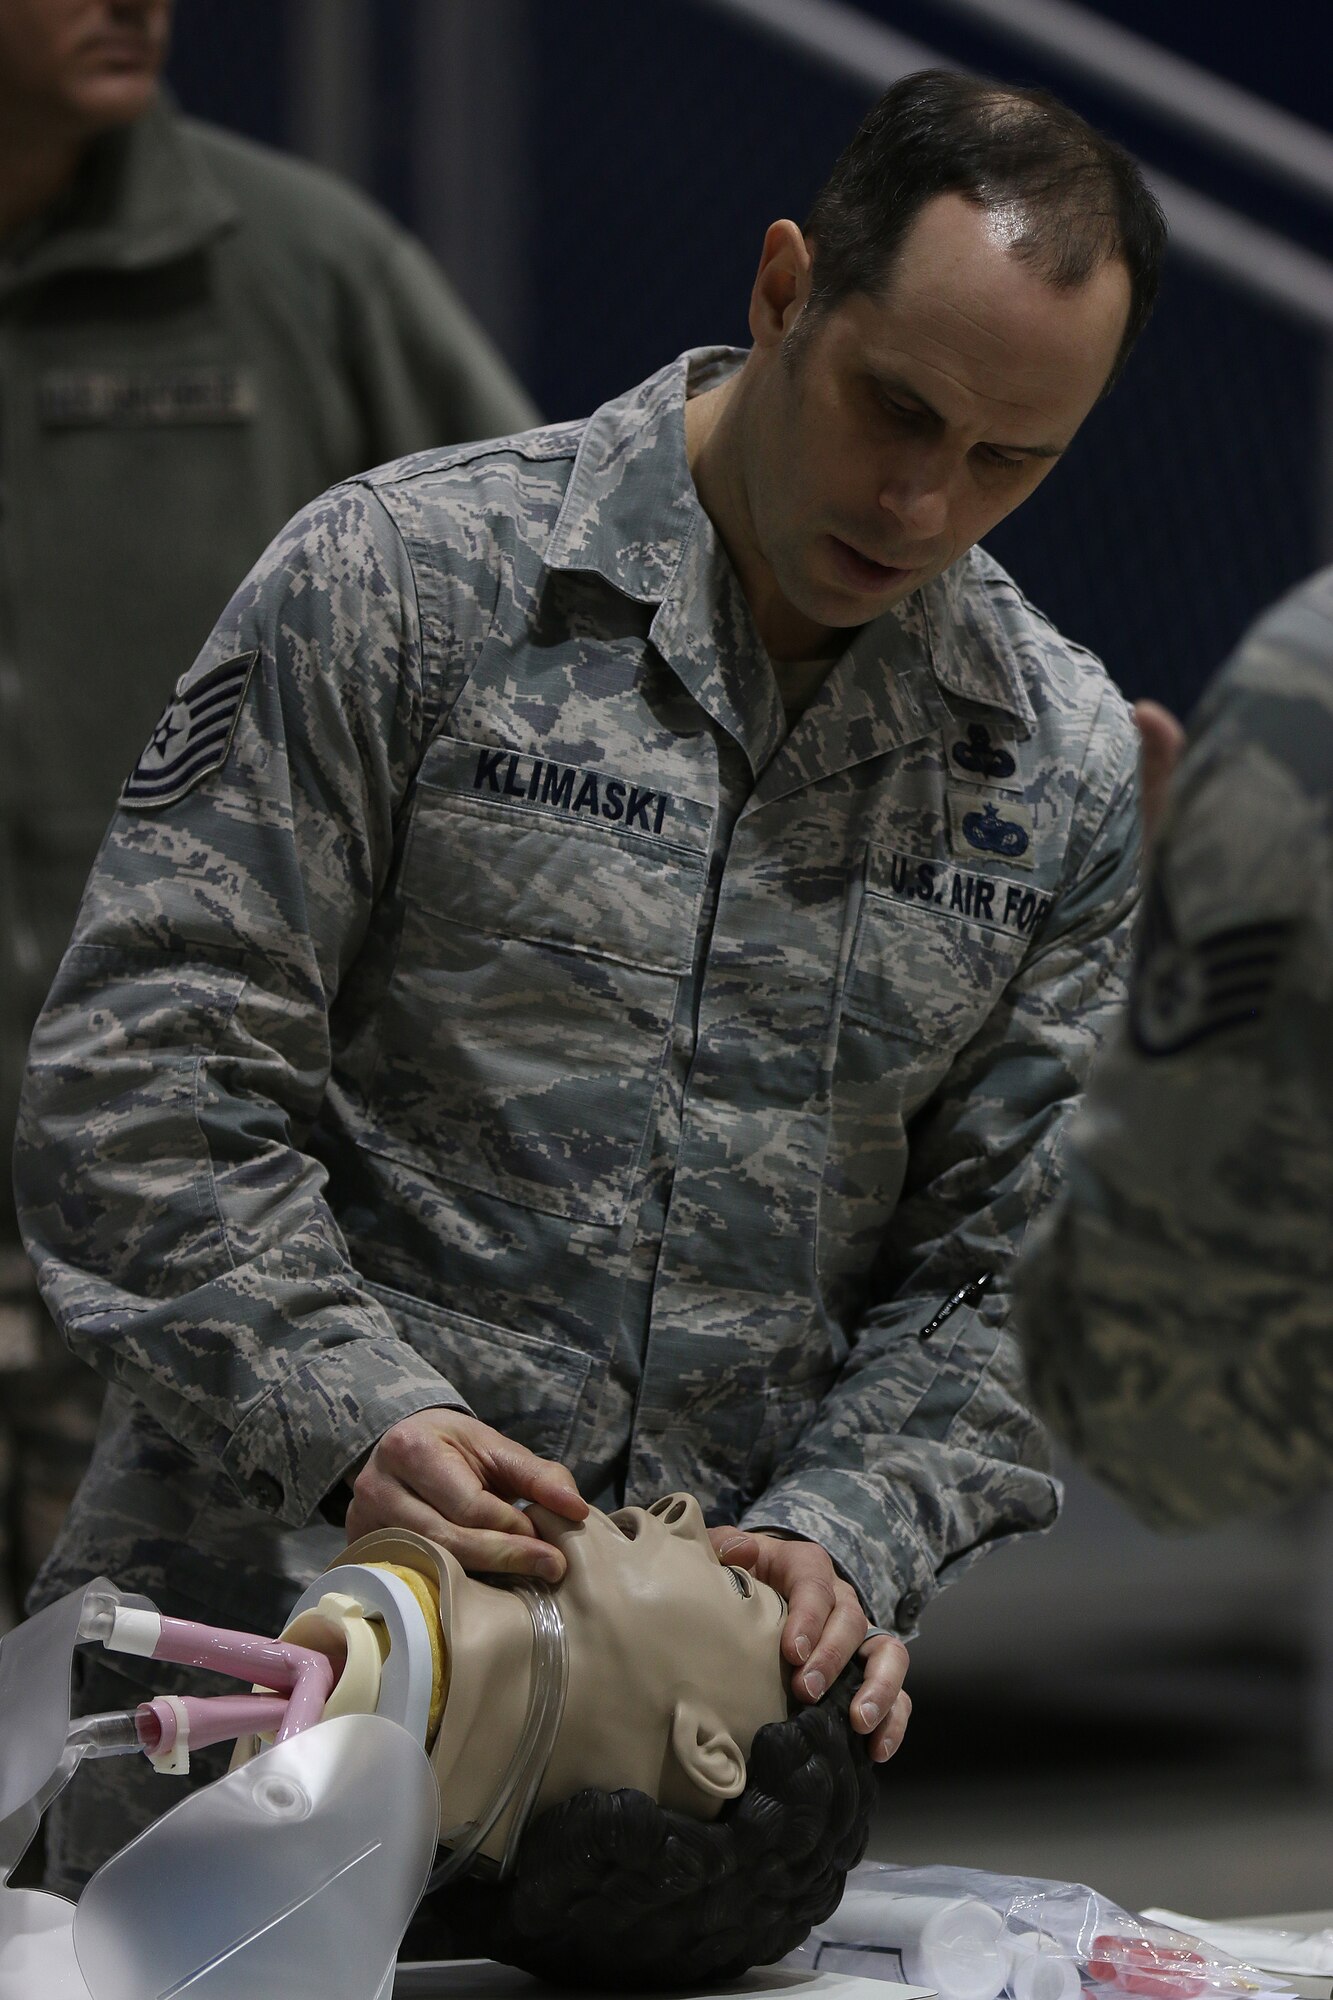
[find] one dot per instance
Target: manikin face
(673, 1658)
(81, 66)
(879, 442)
(674, 1663)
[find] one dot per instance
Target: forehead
(961, 309)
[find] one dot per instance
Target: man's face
(83, 66)
(883, 440)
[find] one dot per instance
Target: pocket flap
(528, 1388)
(523, 847)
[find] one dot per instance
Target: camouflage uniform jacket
(1177, 1307)
(519, 992)
(201, 338)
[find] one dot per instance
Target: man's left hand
(825, 1626)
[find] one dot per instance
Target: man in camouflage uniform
(197, 336)
(1176, 1304)
(605, 936)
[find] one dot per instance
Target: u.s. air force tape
(192, 736)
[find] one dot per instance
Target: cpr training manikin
(602, 1781)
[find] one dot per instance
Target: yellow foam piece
(427, 1594)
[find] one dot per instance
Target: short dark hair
(612, 1890)
(999, 146)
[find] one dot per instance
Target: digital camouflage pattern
(1176, 1303)
(520, 1017)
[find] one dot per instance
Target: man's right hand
(454, 1480)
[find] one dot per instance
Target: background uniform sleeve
(925, 1453)
(178, 1228)
(423, 368)
(1175, 1305)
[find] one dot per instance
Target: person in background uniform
(197, 336)
(1175, 1306)
(605, 938)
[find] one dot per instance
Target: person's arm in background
(179, 1231)
(923, 1454)
(423, 369)
(1175, 1305)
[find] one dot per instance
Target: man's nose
(917, 495)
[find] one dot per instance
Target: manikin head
(705, 1826)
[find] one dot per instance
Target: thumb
(735, 1547)
(1161, 742)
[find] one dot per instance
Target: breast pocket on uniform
(935, 945)
(549, 915)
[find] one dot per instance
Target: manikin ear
(781, 285)
(708, 1754)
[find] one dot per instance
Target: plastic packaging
(296, 1874)
(1038, 1969)
(37, 1960)
(1304, 1954)
(35, 1660)
(1051, 1939)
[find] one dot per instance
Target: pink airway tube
(212, 1719)
(271, 1662)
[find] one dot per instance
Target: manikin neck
(490, 1660)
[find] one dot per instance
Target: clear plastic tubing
(153, 1727)
(116, 1734)
(527, 1767)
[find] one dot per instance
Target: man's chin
(106, 102)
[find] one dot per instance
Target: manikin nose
(679, 1513)
(682, 1515)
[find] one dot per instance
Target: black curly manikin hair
(612, 1890)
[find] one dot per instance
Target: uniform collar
(632, 515)
(631, 508)
(973, 651)
(143, 197)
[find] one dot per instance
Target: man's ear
(708, 1754)
(781, 285)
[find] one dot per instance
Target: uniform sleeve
(925, 1453)
(1175, 1304)
(179, 1230)
(424, 370)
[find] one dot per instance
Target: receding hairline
(1003, 148)
(1063, 246)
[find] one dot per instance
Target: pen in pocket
(966, 1295)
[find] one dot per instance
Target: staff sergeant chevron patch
(192, 736)
(1183, 994)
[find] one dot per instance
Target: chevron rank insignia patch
(192, 736)
(1181, 994)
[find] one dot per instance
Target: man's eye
(1003, 458)
(741, 1579)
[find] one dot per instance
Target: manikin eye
(741, 1579)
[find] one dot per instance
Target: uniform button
(909, 1610)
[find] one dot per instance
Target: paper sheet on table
(482, 1979)
(1309, 1953)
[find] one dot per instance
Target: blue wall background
(659, 141)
